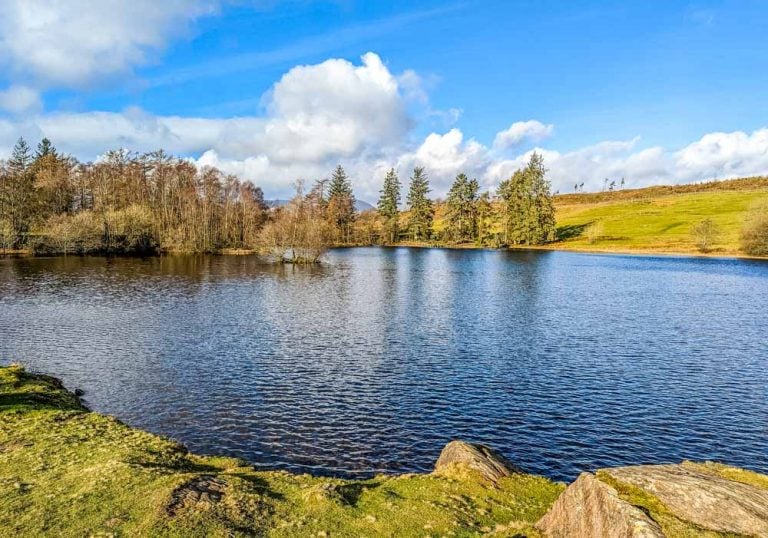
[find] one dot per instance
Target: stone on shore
(708, 501)
(459, 458)
(651, 501)
(589, 508)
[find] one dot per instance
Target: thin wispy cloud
(318, 44)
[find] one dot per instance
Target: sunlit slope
(659, 218)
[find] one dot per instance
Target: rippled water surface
(565, 362)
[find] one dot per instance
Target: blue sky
(655, 91)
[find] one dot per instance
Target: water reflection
(375, 359)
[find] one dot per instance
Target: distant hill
(360, 205)
(660, 218)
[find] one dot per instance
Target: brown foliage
(300, 232)
(754, 236)
(750, 183)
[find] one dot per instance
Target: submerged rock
(704, 499)
(458, 457)
(589, 508)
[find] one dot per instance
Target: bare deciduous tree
(705, 234)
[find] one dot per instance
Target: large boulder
(705, 499)
(459, 458)
(589, 508)
(652, 500)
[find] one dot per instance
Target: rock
(704, 499)
(458, 456)
(589, 508)
(198, 493)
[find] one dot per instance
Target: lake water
(370, 363)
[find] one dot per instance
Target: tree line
(129, 202)
(521, 212)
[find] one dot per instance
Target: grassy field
(658, 219)
(65, 471)
(650, 220)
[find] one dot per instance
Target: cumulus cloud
(316, 116)
(334, 109)
(20, 100)
(74, 42)
(531, 130)
(725, 155)
(714, 156)
(359, 115)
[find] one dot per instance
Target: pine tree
(44, 149)
(462, 209)
(18, 190)
(420, 206)
(341, 204)
(528, 208)
(21, 157)
(544, 222)
(389, 203)
(486, 218)
(53, 193)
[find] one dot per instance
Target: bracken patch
(199, 493)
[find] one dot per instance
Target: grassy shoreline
(66, 471)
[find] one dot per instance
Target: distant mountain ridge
(360, 205)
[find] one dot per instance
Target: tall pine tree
(388, 205)
(462, 202)
(341, 204)
(21, 157)
(528, 208)
(18, 190)
(421, 211)
(45, 149)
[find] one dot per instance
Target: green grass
(65, 471)
(660, 223)
(650, 220)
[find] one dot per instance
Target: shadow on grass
(22, 390)
(260, 485)
(171, 462)
(671, 226)
(350, 493)
(572, 231)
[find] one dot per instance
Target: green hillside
(659, 219)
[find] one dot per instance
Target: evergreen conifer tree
(462, 202)
(45, 148)
(21, 157)
(341, 204)
(528, 208)
(389, 203)
(420, 206)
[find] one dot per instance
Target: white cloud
(531, 130)
(357, 114)
(444, 156)
(75, 42)
(334, 109)
(20, 100)
(725, 155)
(317, 115)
